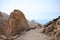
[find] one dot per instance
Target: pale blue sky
(33, 9)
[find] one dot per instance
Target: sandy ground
(34, 34)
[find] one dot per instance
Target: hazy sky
(33, 9)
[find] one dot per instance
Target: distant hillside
(34, 24)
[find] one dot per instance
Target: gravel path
(34, 35)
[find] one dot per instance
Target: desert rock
(16, 24)
(53, 28)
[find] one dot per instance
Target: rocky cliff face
(53, 28)
(16, 23)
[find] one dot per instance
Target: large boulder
(16, 24)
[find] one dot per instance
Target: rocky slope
(3, 24)
(53, 28)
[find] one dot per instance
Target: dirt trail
(34, 35)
